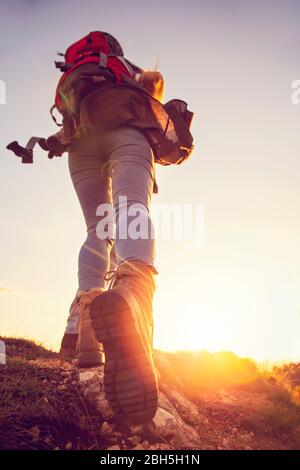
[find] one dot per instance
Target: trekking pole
(25, 153)
(55, 145)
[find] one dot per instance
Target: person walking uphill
(115, 128)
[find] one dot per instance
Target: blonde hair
(153, 82)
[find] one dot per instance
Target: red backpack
(175, 143)
(99, 48)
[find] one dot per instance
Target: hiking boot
(122, 321)
(90, 352)
(68, 345)
(87, 355)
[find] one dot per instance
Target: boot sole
(130, 382)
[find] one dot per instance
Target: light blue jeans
(114, 168)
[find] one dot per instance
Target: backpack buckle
(103, 59)
(62, 66)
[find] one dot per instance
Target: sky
(233, 62)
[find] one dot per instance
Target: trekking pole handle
(24, 153)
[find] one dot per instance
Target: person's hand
(55, 145)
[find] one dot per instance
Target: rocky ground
(48, 403)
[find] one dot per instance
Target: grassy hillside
(221, 400)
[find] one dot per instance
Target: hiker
(153, 82)
(115, 128)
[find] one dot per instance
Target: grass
(40, 406)
(278, 415)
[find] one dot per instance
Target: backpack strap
(103, 61)
(127, 65)
(135, 67)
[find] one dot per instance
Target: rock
(170, 426)
(164, 403)
(102, 405)
(162, 418)
(184, 403)
(186, 408)
(106, 428)
(86, 376)
(91, 385)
